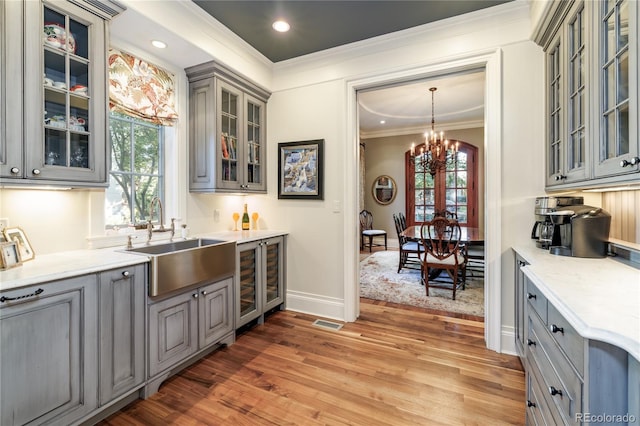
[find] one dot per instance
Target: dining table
(467, 234)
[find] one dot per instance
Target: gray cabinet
(187, 323)
(571, 380)
(48, 352)
(592, 64)
(261, 278)
(227, 131)
(58, 136)
(122, 331)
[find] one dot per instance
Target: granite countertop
(57, 266)
(599, 297)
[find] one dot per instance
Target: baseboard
(313, 304)
(508, 340)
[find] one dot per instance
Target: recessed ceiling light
(281, 26)
(159, 44)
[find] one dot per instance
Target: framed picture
(16, 235)
(9, 256)
(300, 174)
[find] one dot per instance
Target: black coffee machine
(543, 228)
(580, 231)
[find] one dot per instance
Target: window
(137, 172)
(453, 189)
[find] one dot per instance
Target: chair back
(441, 237)
(397, 220)
(446, 214)
(403, 221)
(366, 220)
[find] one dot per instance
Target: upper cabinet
(54, 82)
(592, 92)
(227, 131)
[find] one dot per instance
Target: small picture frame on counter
(9, 255)
(17, 236)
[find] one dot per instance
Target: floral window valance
(140, 89)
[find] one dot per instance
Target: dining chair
(445, 213)
(475, 259)
(367, 231)
(409, 250)
(443, 251)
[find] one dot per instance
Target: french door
(453, 189)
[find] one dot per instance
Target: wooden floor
(396, 365)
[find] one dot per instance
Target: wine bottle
(245, 219)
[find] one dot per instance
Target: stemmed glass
(236, 216)
(254, 216)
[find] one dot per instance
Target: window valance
(140, 89)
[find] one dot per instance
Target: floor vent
(327, 324)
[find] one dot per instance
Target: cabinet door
(215, 312)
(231, 149)
(122, 336)
(48, 353)
(11, 97)
(65, 93)
(273, 272)
(255, 137)
(173, 331)
(202, 135)
(248, 288)
(617, 71)
(555, 112)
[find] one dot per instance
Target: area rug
(380, 280)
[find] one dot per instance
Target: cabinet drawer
(538, 412)
(567, 338)
(536, 299)
(561, 385)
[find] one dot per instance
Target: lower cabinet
(520, 301)
(261, 278)
(572, 380)
(48, 352)
(182, 325)
(122, 334)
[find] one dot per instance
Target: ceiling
(321, 25)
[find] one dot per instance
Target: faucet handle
(129, 243)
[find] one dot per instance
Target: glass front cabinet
(592, 92)
(63, 133)
(227, 132)
(260, 278)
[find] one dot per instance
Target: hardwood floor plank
(395, 365)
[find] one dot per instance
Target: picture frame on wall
(300, 170)
(16, 235)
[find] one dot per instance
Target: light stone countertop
(62, 265)
(599, 297)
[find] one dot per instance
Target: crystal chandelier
(436, 153)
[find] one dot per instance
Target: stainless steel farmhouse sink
(178, 264)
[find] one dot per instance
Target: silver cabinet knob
(195, 295)
(125, 274)
(36, 172)
(204, 292)
(15, 170)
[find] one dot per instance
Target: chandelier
(436, 153)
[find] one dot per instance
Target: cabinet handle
(15, 170)
(531, 404)
(36, 172)
(195, 295)
(553, 391)
(560, 177)
(204, 292)
(531, 296)
(531, 342)
(125, 274)
(555, 329)
(25, 296)
(521, 263)
(632, 162)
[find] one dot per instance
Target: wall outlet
(4, 223)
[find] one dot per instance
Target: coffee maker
(580, 231)
(543, 228)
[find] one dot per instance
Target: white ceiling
(459, 100)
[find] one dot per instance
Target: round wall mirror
(384, 189)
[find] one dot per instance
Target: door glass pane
(248, 282)
(623, 77)
(229, 136)
(623, 129)
(272, 280)
(623, 19)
